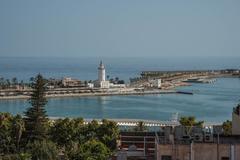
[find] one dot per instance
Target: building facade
(236, 120)
(198, 151)
(69, 82)
(156, 83)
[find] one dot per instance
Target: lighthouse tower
(101, 82)
(101, 72)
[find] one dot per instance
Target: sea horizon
(85, 68)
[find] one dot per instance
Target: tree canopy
(35, 117)
(227, 127)
(190, 121)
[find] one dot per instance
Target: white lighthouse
(101, 82)
(101, 72)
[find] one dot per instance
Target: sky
(123, 28)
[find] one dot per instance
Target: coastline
(95, 94)
(168, 87)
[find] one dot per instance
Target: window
(165, 157)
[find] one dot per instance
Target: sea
(210, 102)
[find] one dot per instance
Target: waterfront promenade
(80, 93)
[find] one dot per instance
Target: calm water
(210, 102)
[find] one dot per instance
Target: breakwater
(64, 93)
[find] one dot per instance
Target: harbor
(154, 95)
(150, 82)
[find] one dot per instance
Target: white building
(111, 85)
(157, 83)
(90, 85)
(101, 82)
(69, 82)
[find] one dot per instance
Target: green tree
(116, 79)
(68, 134)
(17, 130)
(2, 85)
(25, 156)
(11, 128)
(9, 157)
(7, 83)
(91, 150)
(61, 132)
(65, 131)
(14, 81)
(85, 83)
(91, 130)
(6, 142)
(22, 83)
(78, 135)
(227, 127)
(108, 133)
(190, 122)
(36, 120)
(42, 150)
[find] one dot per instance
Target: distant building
(156, 83)
(101, 82)
(90, 85)
(236, 121)
(69, 82)
(112, 85)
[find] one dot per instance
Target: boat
(199, 80)
(184, 92)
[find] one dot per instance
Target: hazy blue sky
(120, 28)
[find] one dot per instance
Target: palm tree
(18, 128)
(14, 81)
(190, 122)
(8, 83)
